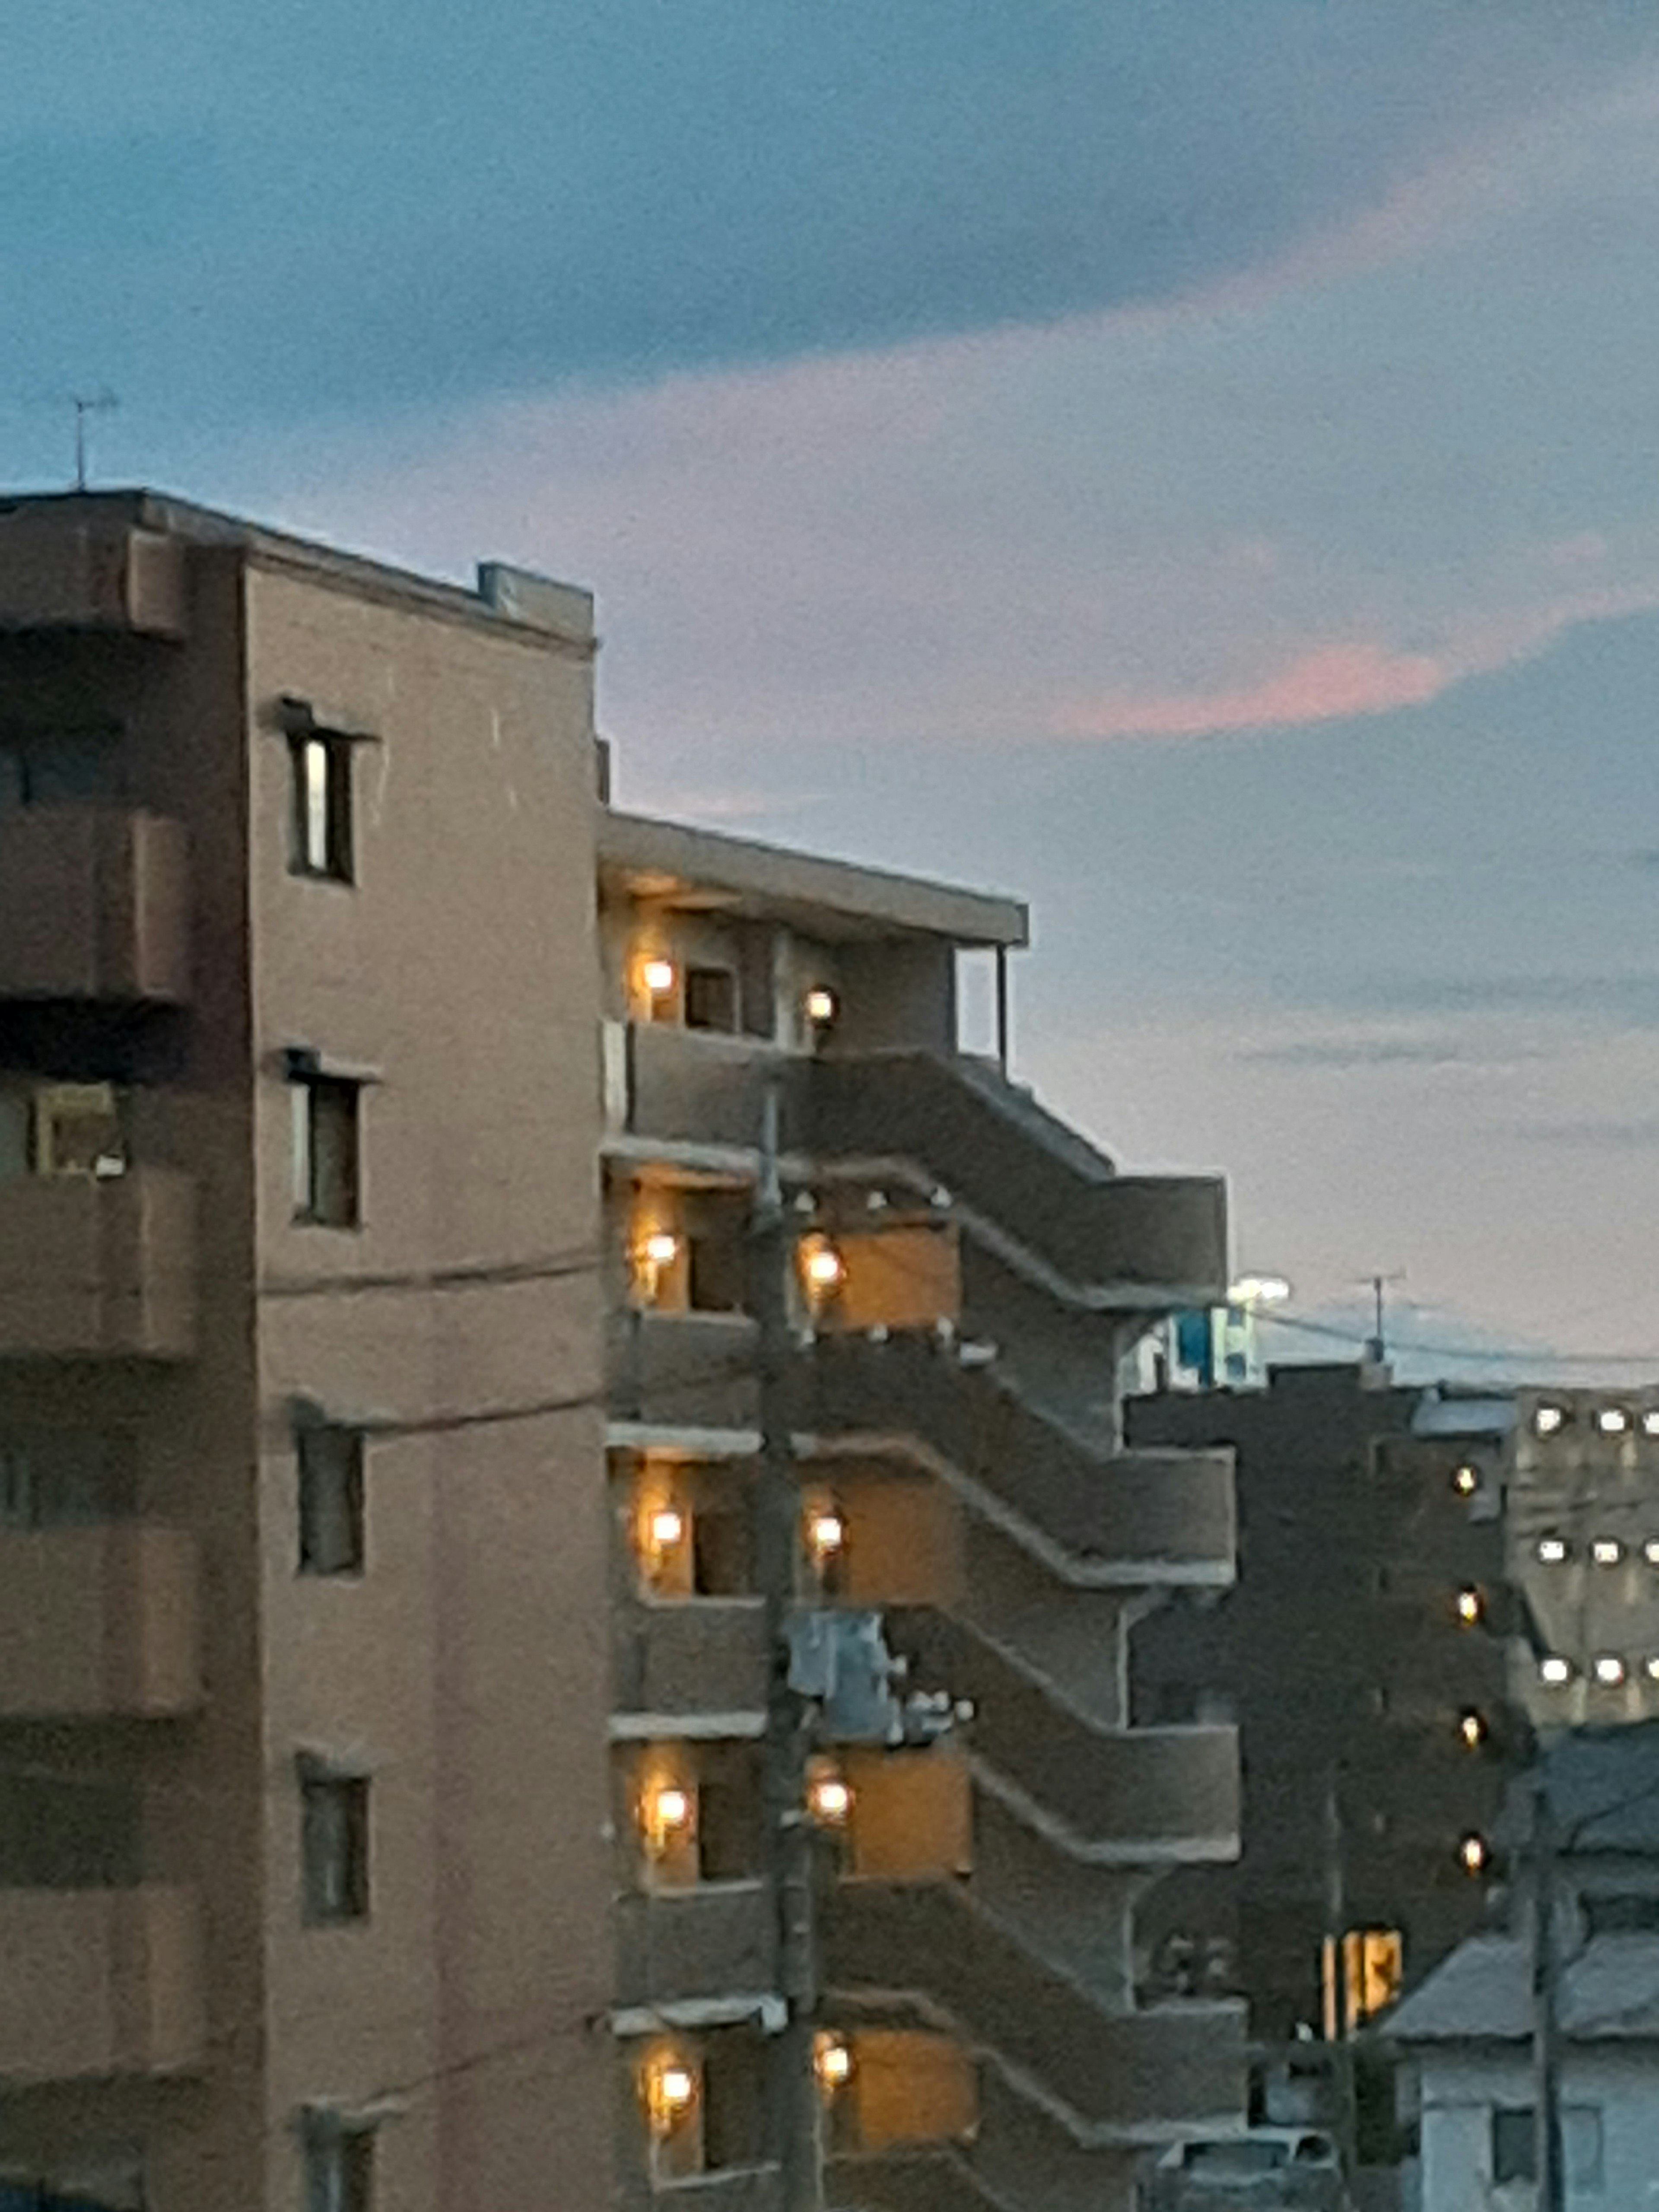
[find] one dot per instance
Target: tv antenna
(102, 402)
(1376, 1345)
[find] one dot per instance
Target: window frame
(334, 1862)
(311, 1088)
(322, 812)
(339, 2166)
(312, 1515)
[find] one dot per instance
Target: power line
(1532, 1357)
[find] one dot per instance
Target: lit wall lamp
(1650, 1423)
(671, 2091)
(656, 975)
(1470, 1606)
(829, 1797)
(1555, 1671)
(668, 1815)
(654, 1254)
(662, 1531)
(823, 1268)
(1465, 1481)
(1548, 1420)
(832, 2062)
(826, 1536)
(1471, 1730)
(822, 1006)
(1472, 1853)
(1610, 1670)
(1613, 1421)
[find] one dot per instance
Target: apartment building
(1367, 1655)
(966, 1277)
(394, 1640)
(303, 1882)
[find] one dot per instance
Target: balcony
(59, 573)
(920, 2180)
(95, 905)
(1149, 1240)
(1140, 2075)
(99, 1982)
(98, 1268)
(99, 1623)
(1133, 1796)
(683, 1371)
(698, 1655)
(1142, 1518)
(709, 1942)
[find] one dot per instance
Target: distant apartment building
(400, 1646)
(1428, 1579)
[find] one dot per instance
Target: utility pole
(794, 2101)
(1547, 2162)
(1338, 1993)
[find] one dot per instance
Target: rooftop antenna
(1376, 1350)
(102, 402)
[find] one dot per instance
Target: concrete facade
(985, 2035)
(156, 937)
(385, 1663)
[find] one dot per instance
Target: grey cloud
(1637, 1132)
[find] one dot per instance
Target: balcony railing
(98, 1267)
(57, 574)
(685, 1370)
(95, 905)
(1140, 2073)
(1154, 1238)
(709, 1942)
(1134, 1795)
(1153, 1515)
(689, 1656)
(99, 1982)
(98, 1622)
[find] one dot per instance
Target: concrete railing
(59, 575)
(961, 1126)
(1136, 1796)
(95, 905)
(99, 1623)
(925, 2178)
(1145, 2073)
(99, 1982)
(711, 1942)
(1165, 1512)
(699, 1655)
(683, 1370)
(93, 1268)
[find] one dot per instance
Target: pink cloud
(1325, 684)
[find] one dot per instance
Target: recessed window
(334, 1847)
(64, 1479)
(711, 999)
(331, 1466)
(321, 843)
(326, 1112)
(339, 2169)
(59, 768)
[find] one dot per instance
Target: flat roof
(503, 594)
(703, 871)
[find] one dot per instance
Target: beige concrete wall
(466, 1668)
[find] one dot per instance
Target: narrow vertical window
(322, 832)
(339, 2169)
(334, 1847)
(326, 1139)
(331, 1466)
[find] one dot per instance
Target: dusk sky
(1193, 463)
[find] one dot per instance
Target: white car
(1266, 2170)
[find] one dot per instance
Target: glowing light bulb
(1606, 1551)
(826, 1533)
(1613, 1421)
(1468, 1607)
(1547, 1420)
(823, 1265)
(658, 976)
(830, 1799)
(1554, 1670)
(833, 2062)
(661, 1247)
(1610, 1670)
(667, 1526)
(1552, 1551)
(1466, 1482)
(1472, 1731)
(820, 1006)
(1472, 1853)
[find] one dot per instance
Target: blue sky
(1195, 463)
